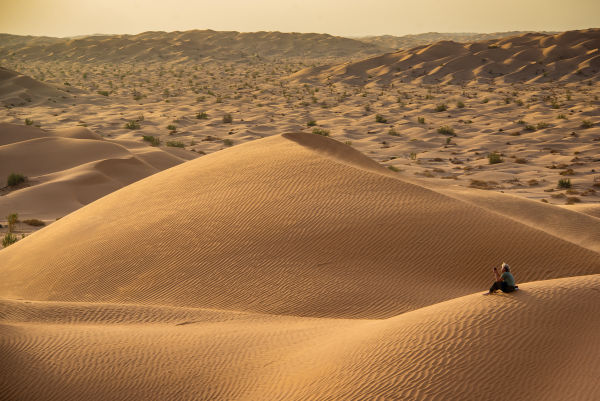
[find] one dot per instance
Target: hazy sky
(347, 17)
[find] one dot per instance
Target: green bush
(393, 132)
(9, 239)
(133, 124)
(152, 139)
(15, 179)
(320, 131)
(34, 222)
(421, 120)
(311, 123)
(380, 119)
(103, 93)
(227, 118)
(446, 130)
(441, 107)
(176, 144)
(460, 105)
(495, 158)
(202, 116)
(171, 127)
(28, 121)
(564, 183)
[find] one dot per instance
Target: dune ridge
(531, 57)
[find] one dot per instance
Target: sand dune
(447, 351)
(303, 240)
(69, 168)
(567, 56)
(196, 45)
(20, 90)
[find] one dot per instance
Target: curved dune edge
(274, 227)
(444, 351)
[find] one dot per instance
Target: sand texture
(268, 216)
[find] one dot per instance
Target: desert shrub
(15, 179)
(12, 219)
(227, 142)
(320, 131)
(564, 183)
(587, 124)
(34, 222)
(441, 107)
(311, 123)
(394, 169)
(380, 119)
(485, 100)
(421, 120)
(154, 141)
(561, 117)
(175, 144)
(460, 105)
(28, 121)
(393, 132)
(495, 158)
(572, 200)
(202, 116)
(521, 161)
(568, 171)
(9, 239)
(132, 124)
(446, 130)
(171, 127)
(529, 127)
(227, 118)
(542, 125)
(103, 93)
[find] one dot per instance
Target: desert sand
(331, 240)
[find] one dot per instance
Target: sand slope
(531, 57)
(68, 168)
(455, 350)
(303, 239)
(20, 90)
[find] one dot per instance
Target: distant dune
(19, 90)
(410, 41)
(294, 268)
(531, 57)
(194, 45)
(69, 168)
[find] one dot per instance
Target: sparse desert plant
(172, 128)
(12, 220)
(446, 130)
(9, 239)
(394, 169)
(586, 124)
(380, 119)
(154, 141)
(311, 123)
(495, 158)
(349, 143)
(485, 100)
(564, 183)
(28, 121)
(460, 104)
(421, 120)
(202, 116)
(132, 124)
(34, 222)
(561, 117)
(542, 125)
(441, 107)
(393, 132)
(529, 127)
(568, 171)
(15, 179)
(572, 200)
(227, 142)
(521, 161)
(103, 93)
(227, 118)
(176, 144)
(320, 131)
